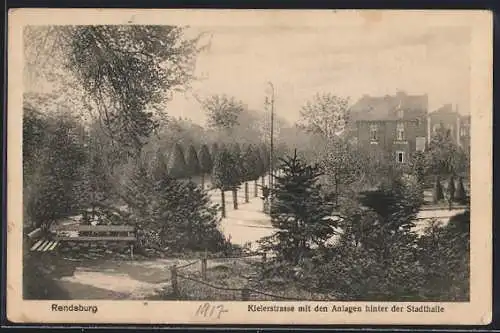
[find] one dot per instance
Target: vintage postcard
(249, 166)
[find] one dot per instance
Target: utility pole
(271, 153)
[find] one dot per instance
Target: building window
(420, 144)
(400, 157)
(400, 132)
(464, 131)
(373, 132)
(401, 114)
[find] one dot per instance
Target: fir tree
(248, 169)
(238, 171)
(178, 212)
(192, 162)
(177, 163)
(451, 189)
(206, 163)
(299, 211)
(437, 194)
(461, 196)
(259, 170)
(214, 149)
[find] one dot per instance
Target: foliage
(299, 212)
(177, 163)
(444, 157)
(192, 163)
(360, 273)
(222, 111)
(250, 165)
(342, 167)
(125, 72)
(264, 153)
(461, 195)
(451, 189)
(392, 263)
(52, 163)
(418, 166)
(437, 193)
(224, 174)
(325, 114)
(179, 212)
(444, 253)
(206, 164)
(259, 166)
(396, 205)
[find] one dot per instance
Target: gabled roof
(446, 108)
(370, 108)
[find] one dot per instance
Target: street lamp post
(271, 153)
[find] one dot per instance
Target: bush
(444, 256)
(173, 214)
(53, 172)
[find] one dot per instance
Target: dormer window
(373, 132)
(400, 132)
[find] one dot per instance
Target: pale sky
(347, 61)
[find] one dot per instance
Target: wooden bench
(91, 233)
(39, 243)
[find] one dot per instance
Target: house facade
(400, 125)
(449, 118)
(393, 125)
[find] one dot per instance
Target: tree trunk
(247, 199)
(202, 181)
(255, 189)
(235, 198)
(223, 203)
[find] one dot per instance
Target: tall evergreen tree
(437, 193)
(214, 149)
(461, 195)
(206, 163)
(177, 163)
(451, 190)
(192, 162)
(259, 170)
(299, 211)
(238, 169)
(179, 213)
(249, 169)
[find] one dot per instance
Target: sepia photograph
(243, 167)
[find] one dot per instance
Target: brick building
(451, 119)
(395, 125)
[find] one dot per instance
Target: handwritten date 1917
(208, 310)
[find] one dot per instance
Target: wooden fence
(244, 293)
